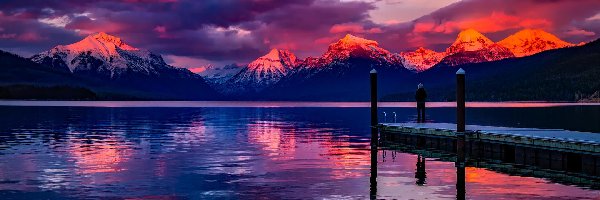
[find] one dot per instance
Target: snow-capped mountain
(421, 59)
(469, 40)
(340, 72)
(220, 74)
(102, 56)
(356, 47)
(473, 47)
(265, 71)
(531, 41)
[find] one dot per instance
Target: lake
(251, 150)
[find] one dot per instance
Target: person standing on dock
(420, 97)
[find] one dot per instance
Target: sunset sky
(197, 33)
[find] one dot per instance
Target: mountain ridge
(108, 59)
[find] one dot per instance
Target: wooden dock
(552, 149)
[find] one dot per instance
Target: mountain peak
(469, 40)
(350, 39)
(469, 34)
(421, 59)
(277, 54)
(531, 41)
(110, 39)
(105, 52)
(275, 60)
(266, 70)
(353, 46)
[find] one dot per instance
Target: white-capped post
(460, 134)
(374, 120)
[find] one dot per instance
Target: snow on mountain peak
(350, 39)
(101, 52)
(469, 40)
(531, 41)
(353, 46)
(266, 70)
(421, 59)
(106, 38)
(275, 60)
(101, 44)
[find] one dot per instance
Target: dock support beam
(373, 177)
(460, 134)
(460, 100)
(374, 120)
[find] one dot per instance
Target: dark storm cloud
(211, 30)
(241, 30)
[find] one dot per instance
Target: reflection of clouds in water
(99, 155)
(401, 187)
(276, 138)
(348, 161)
(196, 132)
(484, 182)
(234, 164)
(54, 178)
(286, 141)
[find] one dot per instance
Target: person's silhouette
(420, 174)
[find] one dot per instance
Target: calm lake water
(121, 150)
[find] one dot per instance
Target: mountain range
(109, 67)
(339, 68)
(565, 74)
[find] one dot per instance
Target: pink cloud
(326, 40)
(197, 70)
(494, 22)
(580, 32)
(29, 37)
(500, 18)
(353, 28)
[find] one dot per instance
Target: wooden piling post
(374, 120)
(460, 100)
(373, 177)
(460, 134)
(460, 181)
(374, 135)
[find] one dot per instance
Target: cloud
(228, 31)
(353, 28)
(580, 32)
(215, 30)
(499, 18)
(28, 36)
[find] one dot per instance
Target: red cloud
(498, 18)
(353, 28)
(580, 32)
(495, 22)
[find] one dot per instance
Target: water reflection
(420, 173)
(228, 153)
(278, 141)
(99, 157)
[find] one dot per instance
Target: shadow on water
(465, 157)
